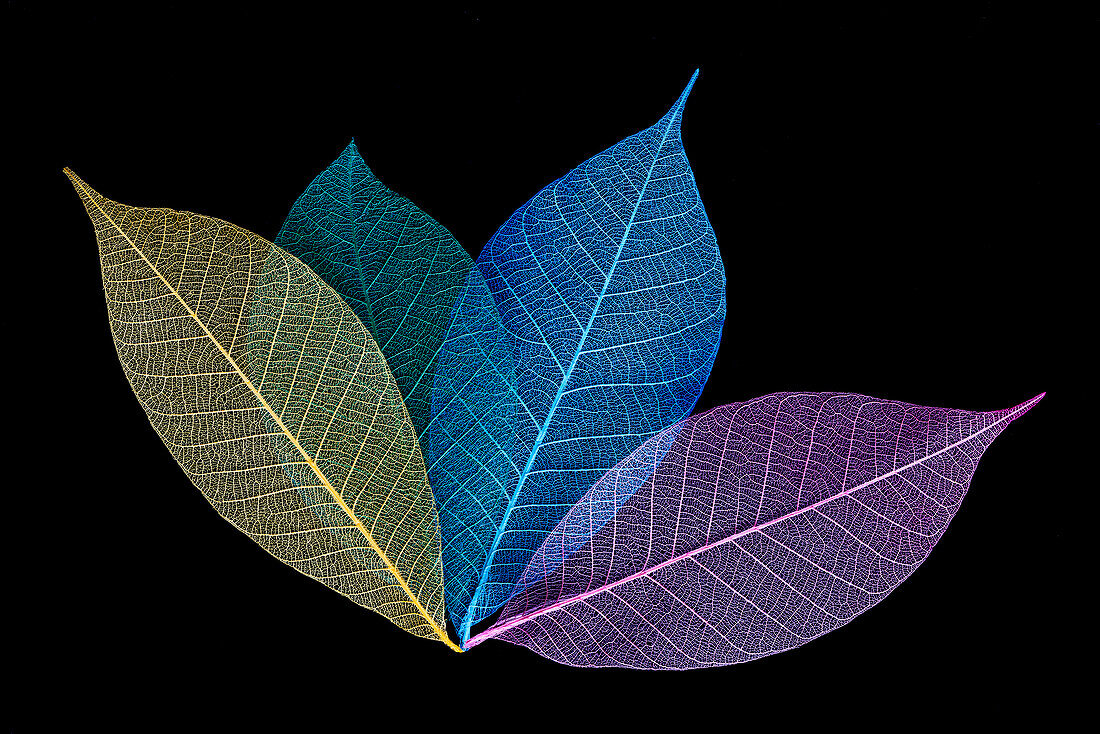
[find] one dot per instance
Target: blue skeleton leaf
(611, 293)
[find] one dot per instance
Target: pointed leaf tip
(678, 108)
(1028, 405)
(352, 155)
(687, 89)
(86, 192)
(1017, 410)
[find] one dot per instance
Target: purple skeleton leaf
(765, 524)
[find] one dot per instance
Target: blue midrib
(464, 633)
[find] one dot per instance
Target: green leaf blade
(398, 269)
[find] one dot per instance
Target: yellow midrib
(278, 419)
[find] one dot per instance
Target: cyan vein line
(464, 633)
(494, 631)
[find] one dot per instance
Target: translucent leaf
(407, 279)
(276, 402)
(766, 524)
(611, 292)
(398, 269)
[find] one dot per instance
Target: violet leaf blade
(767, 523)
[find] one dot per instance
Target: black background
(889, 189)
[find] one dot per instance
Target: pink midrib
(497, 630)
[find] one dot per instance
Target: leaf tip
(351, 157)
(86, 192)
(1017, 411)
(677, 110)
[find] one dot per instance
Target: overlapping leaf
(407, 279)
(276, 402)
(611, 292)
(765, 524)
(578, 342)
(398, 269)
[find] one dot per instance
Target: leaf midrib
(390, 568)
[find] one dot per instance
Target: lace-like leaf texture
(762, 526)
(399, 269)
(611, 293)
(276, 402)
(407, 279)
